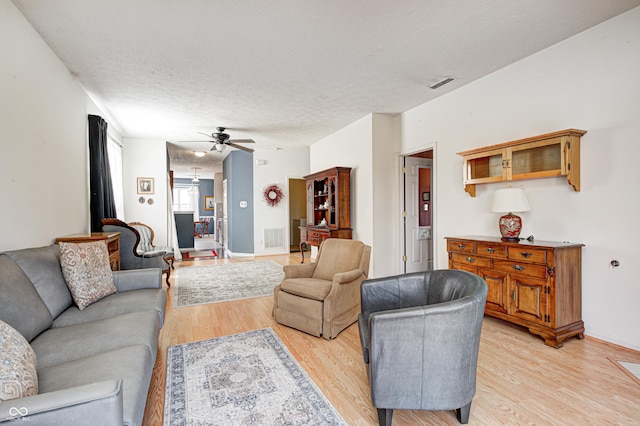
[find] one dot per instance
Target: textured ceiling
(289, 72)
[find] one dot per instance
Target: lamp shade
(509, 200)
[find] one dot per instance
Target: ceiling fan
(221, 139)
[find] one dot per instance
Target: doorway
(297, 212)
(417, 206)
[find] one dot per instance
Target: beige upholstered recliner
(323, 298)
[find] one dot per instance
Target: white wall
(146, 158)
(44, 157)
(368, 147)
(588, 82)
(278, 168)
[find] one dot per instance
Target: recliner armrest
(304, 270)
(93, 404)
(347, 277)
(136, 279)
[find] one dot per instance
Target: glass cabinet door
(310, 205)
(485, 167)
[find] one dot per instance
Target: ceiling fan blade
(196, 141)
(209, 135)
(242, 141)
(243, 148)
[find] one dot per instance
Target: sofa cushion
(42, 266)
(64, 344)
(18, 377)
(114, 305)
(311, 288)
(338, 256)
(22, 307)
(132, 364)
(87, 271)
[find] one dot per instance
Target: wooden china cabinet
(535, 284)
(328, 207)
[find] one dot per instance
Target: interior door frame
(402, 205)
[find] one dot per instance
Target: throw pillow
(86, 269)
(18, 376)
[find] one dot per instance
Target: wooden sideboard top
(522, 243)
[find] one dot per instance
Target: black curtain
(102, 201)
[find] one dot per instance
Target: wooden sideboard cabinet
(536, 284)
(548, 155)
(111, 239)
(328, 207)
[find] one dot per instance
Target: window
(185, 198)
(114, 150)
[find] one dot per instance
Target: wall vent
(274, 238)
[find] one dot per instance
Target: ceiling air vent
(441, 83)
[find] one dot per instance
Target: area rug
(244, 379)
(631, 369)
(196, 285)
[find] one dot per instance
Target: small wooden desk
(111, 239)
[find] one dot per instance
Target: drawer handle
(518, 267)
(491, 250)
(460, 246)
(525, 254)
(470, 259)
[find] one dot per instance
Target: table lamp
(509, 200)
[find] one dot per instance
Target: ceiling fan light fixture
(219, 147)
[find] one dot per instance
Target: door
(418, 206)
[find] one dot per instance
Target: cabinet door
(540, 159)
(485, 167)
(332, 205)
(529, 299)
(497, 290)
(310, 204)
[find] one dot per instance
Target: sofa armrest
(94, 404)
(136, 279)
(304, 270)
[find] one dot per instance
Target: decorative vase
(510, 225)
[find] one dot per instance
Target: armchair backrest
(129, 237)
(146, 237)
(339, 255)
(418, 289)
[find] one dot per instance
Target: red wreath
(273, 195)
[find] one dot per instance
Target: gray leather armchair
(130, 257)
(420, 334)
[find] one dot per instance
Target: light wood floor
(520, 380)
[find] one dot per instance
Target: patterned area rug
(196, 285)
(243, 379)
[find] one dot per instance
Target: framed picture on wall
(145, 185)
(209, 203)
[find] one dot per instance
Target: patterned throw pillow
(86, 269)
(18, 376)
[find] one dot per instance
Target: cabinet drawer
(528, 254)
(468, 259)
(537, 271)
(461, 246)
(493, 250)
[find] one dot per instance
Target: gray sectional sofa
(94, 365)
